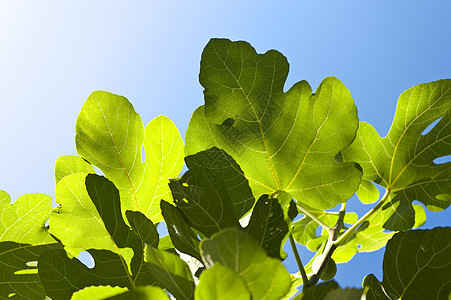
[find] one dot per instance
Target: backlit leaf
(71, 164)
(403, 161)
(221, 283)
(282, 141)
(265, 277)
(23, 238)
(110, 135)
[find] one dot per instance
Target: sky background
(53, 54)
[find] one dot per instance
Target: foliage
(263, 166)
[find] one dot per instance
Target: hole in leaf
(46, 223)
(143, 154)
(33, 263)
(359, 246)
(85, 258)
(442, 160)
(11, 295)
(432, 125)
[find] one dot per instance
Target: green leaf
(265, 277)
(71, 164)
(416, 266)
(171, 272)
(213, 194)
(403, 161)
(118, 293)
(304, 230)
(98, 292)
(76, 222)
(62, 276)
(110, 135)
(367, 192)
(329, 291)
(221, 283)
(143, 227)
(282, 141)
(269, 227)
(23, 238)
(373, 288)
(317, 292)
(182, 236)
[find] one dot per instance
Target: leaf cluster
(263, 166)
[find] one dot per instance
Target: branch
(305, 281)
(313, 217)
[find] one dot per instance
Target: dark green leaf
(213, 194)
(143, 227)
(221, 283)
(265, 277)
(317, 292)
(416, 266)
(282, 141)
(62, 276)
(171, 272)
(268, 225)
(182, 236)
(403, 161)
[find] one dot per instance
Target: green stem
(313, 217)
(348, 232)
(305, 280)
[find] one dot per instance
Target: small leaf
(182, 236)
(110, 135)
(269, 227)
(213, 194)
(367, 192)
(283, 141)
(143, 227)
(171, 272)
(416, 266)
(71, 164)
(403, 161)
(265, 277)
(221, 283)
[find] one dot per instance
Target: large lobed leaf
(417, 265)
(282, 141)
(403, 161)
(110, 135)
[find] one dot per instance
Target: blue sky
(53, 54)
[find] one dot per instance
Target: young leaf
(23, 238)
(110, 135)
(182, 236)
(282, 141)
(265, 277)
(171, 272)
(416, 266)
(403, 161)
(71, 164)
(221, 283)
(213, 194)
(269, 227)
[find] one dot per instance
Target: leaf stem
(306, 282)
(348, 232)
(313, 217)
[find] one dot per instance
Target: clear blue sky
(53, 54)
